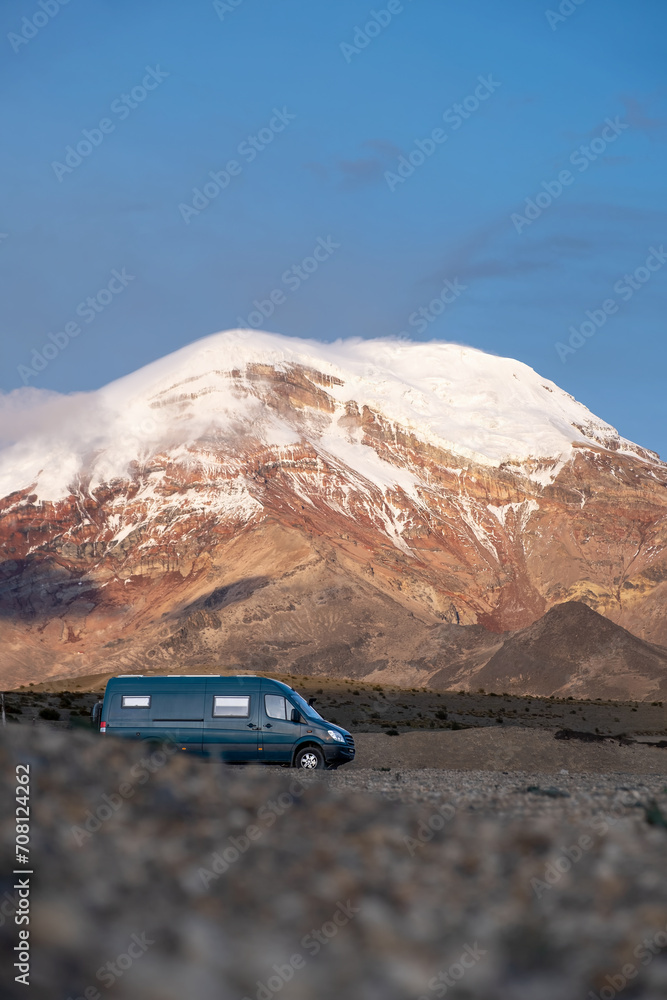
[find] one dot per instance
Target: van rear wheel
(309, 759)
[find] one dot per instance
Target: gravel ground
(506, 750)
(200, 881)
(577, 798)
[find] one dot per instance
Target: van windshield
(305, 708)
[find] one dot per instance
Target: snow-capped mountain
(484, 409)
(293, 497)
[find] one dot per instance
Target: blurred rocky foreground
(159, 877)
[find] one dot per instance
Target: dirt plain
(415, 729)
(376, 708)
(165, 877)
(456, 833)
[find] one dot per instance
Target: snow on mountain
(291, 505)
(486, 409)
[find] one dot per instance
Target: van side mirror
(296, 715)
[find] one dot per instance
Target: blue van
(238, 720)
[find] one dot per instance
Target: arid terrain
(164, 877)
(390, 712)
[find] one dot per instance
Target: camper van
(238, 720)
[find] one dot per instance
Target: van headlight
(336, 736)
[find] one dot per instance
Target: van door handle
(268, 725)
(251, 725)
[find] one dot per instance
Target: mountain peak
(342, 498)
(485, 409)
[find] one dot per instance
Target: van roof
(169, 676)
(159, 678)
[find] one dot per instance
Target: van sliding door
(177, 711)
(231, 729)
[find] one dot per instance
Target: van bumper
(337, 755)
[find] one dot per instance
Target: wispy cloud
(28, 411)
(585, 231)
(318, 169)
(637, 117)
(384, 147)
(359, 171)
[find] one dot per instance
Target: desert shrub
(50, 714)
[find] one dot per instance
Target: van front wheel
(309, 759)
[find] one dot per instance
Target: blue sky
(336, 107)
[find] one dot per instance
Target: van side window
(136, 701)
(231, 707)
(276, 707)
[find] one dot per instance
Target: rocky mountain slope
(574, 650)
(260, 501)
